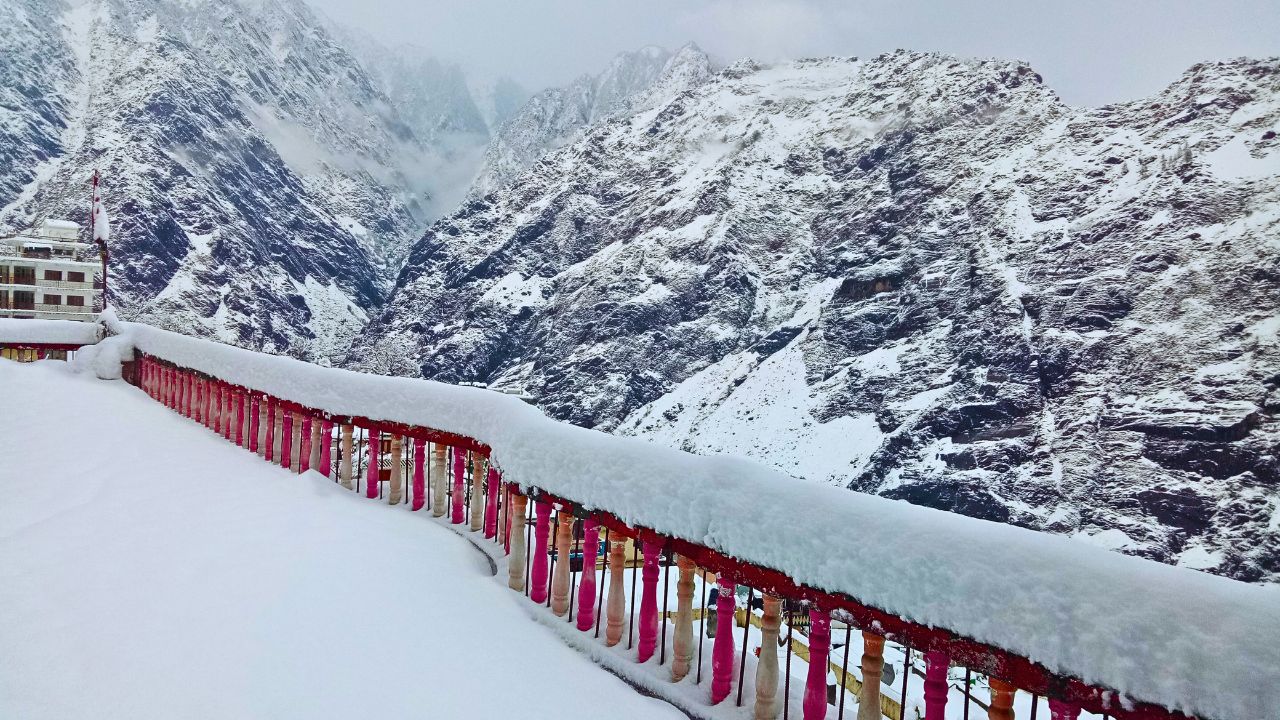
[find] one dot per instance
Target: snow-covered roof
(61, 225)
(56, 332)
(1201, 644)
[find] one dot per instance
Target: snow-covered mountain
(634, 81)
(265, 187)
(915, 275)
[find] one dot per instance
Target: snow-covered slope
(634, 81)
(263, 186)
(915, 275)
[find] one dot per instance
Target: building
(50, 274)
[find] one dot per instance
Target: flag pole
(102, 245)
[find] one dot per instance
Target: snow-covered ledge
(1179, 639)
(48, 332)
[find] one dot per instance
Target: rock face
(913, 275)
(264, 187)
(634, 81)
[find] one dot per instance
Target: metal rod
(746, 628)
(702, 621)
(786, 673)
(359, 460)
(967, 673)
(1035, 704)
(844, 670)
(666, 604)
(551, 570)
(600, 600)
(528, 547)
(573, 585)
(631, 619)
(906, 675)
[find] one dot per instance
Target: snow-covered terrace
(1117, 635)
(148, 571)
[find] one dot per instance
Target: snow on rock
(906, 250)
(193, 580)
(57, 332)
(1201, 644)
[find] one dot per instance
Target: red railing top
(1062, 614)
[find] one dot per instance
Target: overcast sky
(1091, 51)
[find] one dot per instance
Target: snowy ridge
(914, 275)
(1188, 641)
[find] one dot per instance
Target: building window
(75, 277)
(52, 274)
(52, 299)
(75, 300)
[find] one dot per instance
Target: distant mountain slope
(915, 275)
(264, 186)
(633, 81)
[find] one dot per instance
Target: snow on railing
(1084, 628)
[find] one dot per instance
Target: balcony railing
(961, 603)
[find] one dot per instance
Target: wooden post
(1001, 699)
(616, 606)
(344, 463)
(682, 641)
(313, 458)
(560, 580)
(587, 583)
(438, 479)
(815, 687)
(1059, 710)
(477, 491)
(515, 564)
(397, 480)
(492, 481)
(375, 464)
(541, 529)
(326, 448)
(458, 498)
(308, 444)
(936, 664)
(286, 441)
(872, 671)
(767, 669)
(722, 650)
(648, 629)
(419, 475)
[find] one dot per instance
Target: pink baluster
(286, 441)
(304, 453)
(815, 687)
(491, 507)
(419, 477)
(326, 447)
(722, 650)
(219, 392)
(587, 583)
(269, 452)
(375, 461)
(228, 399)
(186, 395)
(936, 663)
(239, 434)
(1059, 710)
(197, 399)
(541, 533)
(255, 414)
(459, 486)
(649, 600)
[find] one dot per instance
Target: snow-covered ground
(149, 571)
